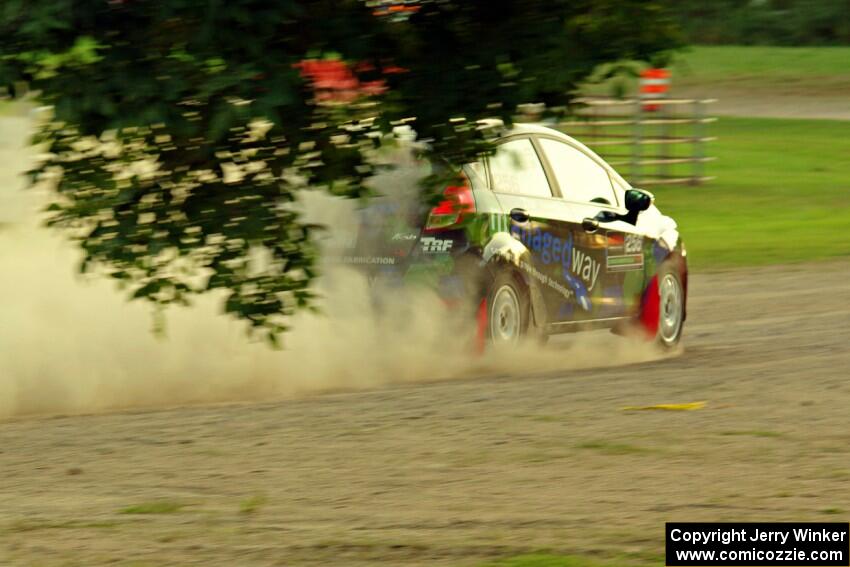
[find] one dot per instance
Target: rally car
(542, 237)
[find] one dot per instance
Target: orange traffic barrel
(653, 85)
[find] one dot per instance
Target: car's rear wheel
(671, 308)
(507, 311)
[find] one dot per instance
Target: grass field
(797, 69)
(783, 185)
(782, 194)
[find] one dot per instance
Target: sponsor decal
(576, 264)
(431, 245)
(625, 252)
(582, 296)
(368, 260)
(620, 243)
(625, 263)
(405, 236)
(633, 244)
(499, 223)
(586, 267)
(546, 280)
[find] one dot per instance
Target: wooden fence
(661, 146)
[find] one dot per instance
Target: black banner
(693, 544)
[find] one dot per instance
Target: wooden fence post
(699, 149)
(637, 119)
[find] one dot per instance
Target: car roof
(537, 128)
(525, 128)
(533, 128)
(406, 133)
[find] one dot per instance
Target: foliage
(766, 22)
(182, 130)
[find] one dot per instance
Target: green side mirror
(637, 200)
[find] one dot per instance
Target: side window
(579, 177)
(515, 168)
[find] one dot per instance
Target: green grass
(799, 70)
(154, 507)
(30, 525)
(752, 433)
(252, 504)
(782, 194)
(609, 448)
(788, 68)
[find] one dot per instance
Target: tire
(508, 311)
(671, 307)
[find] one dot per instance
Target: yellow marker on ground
(668, 407)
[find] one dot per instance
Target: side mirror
(637, 200)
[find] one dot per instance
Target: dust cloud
(73, 344)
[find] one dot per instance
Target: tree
(182, 129)
(765, 22)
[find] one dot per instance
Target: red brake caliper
(650, 311)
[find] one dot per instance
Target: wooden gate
(665, 146)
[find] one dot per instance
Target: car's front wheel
(671, 308)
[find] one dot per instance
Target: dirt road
(771, 101)
(458, 472)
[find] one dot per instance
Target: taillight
(457, 201)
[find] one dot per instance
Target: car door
(520, 183)
(605, 268)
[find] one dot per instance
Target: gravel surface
(468, 470)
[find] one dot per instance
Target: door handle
(590, 225)
(520, 215)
